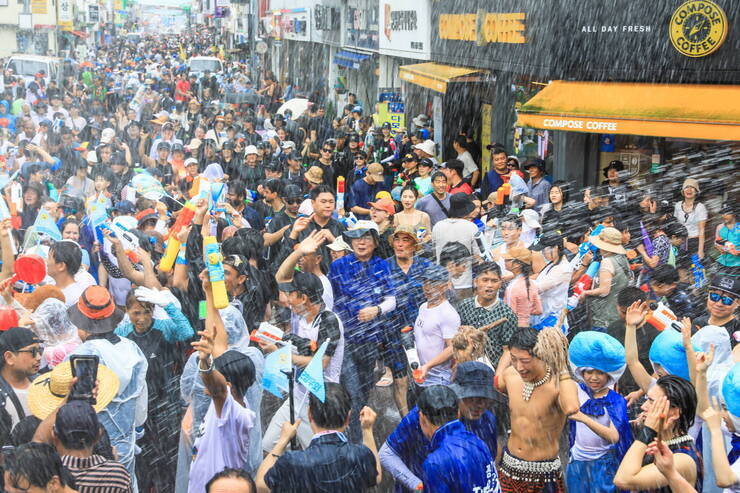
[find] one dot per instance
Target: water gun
(662, 317)
(585, 247)
(267, 333)
(480, 240)
(340, 193)
(583, 284)
(646, 241)
(173, 245)
(502, 193)
(412, 355)
(349, 220)
(129, 241)
(214, 262)
(698, 270)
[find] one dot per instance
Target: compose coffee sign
(698, 28)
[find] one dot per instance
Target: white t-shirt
(469, 165)
(311, 331)
(691, 219)
(224, 443)
(588, 445)
(328, 296)
(432, 327)
(22, 395)
(72, 293)
(457, 230)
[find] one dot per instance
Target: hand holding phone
(85, 370)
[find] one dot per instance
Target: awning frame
(430, 75)
(623, 108)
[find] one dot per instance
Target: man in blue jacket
(459, 461)
(406, 449)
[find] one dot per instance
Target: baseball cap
(375, 169)
(250, 150)
(434, 273)
(295, 156)
(384, 205)
(125, 207)
(539, 163)
(407, 158)
(77, 424)
(337, 245)
(520, 254)
(455, 164)
(292, 191)
(728, 284)
(304, 283)
(16, 338)
(163, 146)
(107, 135)
(426, 162)
(473, 379)
(191, 160)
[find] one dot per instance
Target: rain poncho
(53, 326)
(129, 408)
(193, 391)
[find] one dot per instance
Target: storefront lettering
(403, 20)
(494, 27)
(568, 124)
(617, 29)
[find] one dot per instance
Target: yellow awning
(710, 112)
(435, 76)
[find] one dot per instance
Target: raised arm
(635, 316)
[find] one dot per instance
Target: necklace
(529, 386)
(678, 440)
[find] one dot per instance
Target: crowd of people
(182, 242)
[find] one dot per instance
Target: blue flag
(45, 224)
(273, 378)
(313, 376)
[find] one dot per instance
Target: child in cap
(600, 433)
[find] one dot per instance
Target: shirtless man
(541, 397)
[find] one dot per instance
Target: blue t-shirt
(359, 285)
(362, 193)
(410, 444)
(459, 463)
(409, 294)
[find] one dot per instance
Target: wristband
(380, 310)
(646, 435)
(209, 361)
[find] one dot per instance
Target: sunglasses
(726, 300)
(325, 150)
(293, 201)
(35, 352)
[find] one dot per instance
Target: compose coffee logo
(698, 28)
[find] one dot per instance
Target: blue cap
(667, 350)
(434, 273)
(731, 390)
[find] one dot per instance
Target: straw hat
(49, 390)
(609, 240)
(314, 175)
(406, 230)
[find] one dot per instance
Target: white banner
(406, 28)
(64, 14)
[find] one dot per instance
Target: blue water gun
(585, 247)
(697, 268)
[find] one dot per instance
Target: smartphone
(85, 369)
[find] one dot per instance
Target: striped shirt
(96, 474)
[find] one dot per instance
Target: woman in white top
(554, 279)
(692, 214)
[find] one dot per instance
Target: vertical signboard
(486, 122)
(64, 14)
(406, 28)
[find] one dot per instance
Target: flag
(45, 224)
(182, 54)
(273, 378)
(313, 376)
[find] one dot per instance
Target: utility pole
(253, 42)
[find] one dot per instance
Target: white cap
(288, 143)
(530, 217)
(250, 150)
(107, 135)
(426, 146)
(190, 161)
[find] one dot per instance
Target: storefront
(357, 61)
(677, 63)
(671, 44)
